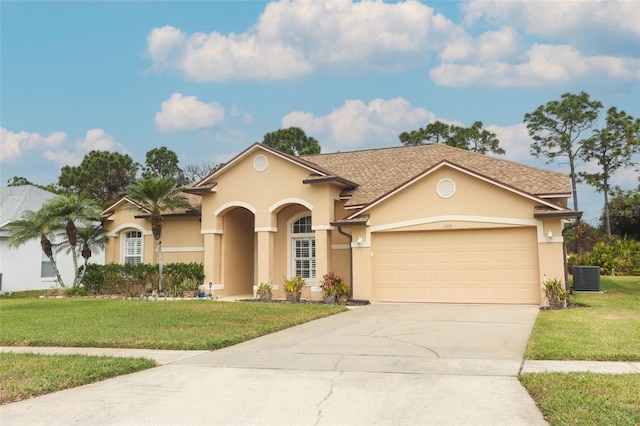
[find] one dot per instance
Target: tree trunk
(48, 251)
(159, 250)
(574, 185)
(72, 236)
(76, 280)
(55, 269)
(607, 215)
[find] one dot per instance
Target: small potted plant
(293, 288)
(265, 291)
(329, 286)
(556, 293)
(343, 292)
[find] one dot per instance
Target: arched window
(132, 247)
(303, 249)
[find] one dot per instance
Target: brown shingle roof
(380, 171)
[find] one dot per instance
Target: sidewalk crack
(328, 395)
(412, 344)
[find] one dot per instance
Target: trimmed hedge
(136, 280)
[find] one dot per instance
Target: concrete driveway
(386, 364)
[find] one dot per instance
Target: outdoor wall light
(359, 242)
(550, 236)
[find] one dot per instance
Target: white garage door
(465, 266)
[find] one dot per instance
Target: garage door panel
(470, 266)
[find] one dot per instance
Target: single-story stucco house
(26, 267)
(427, 223)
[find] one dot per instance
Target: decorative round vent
(260, 163)
(446, 188)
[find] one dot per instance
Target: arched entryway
(238, 252)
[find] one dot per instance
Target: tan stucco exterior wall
(243, 237)
(476, 204)
(181, 238)
(283, 196)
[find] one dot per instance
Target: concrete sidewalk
(164, 357)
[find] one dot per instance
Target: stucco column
(323, 254)
(265, 256)
(362, 279)
(212, 265)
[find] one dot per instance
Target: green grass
(603, 327)
(24, 376)
(586, 398)
(197, 324)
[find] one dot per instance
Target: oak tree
(293, 141)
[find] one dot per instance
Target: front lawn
(586, 398)
(603, 327)
(198, 324)
(116, 323)
(24, 376)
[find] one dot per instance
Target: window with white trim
(303, 249)
(132, 247)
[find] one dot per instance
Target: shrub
(93, 279)
(265, 291)
(334, 285)
(555, 290)
(136, 279)
(179, 287)
(294, 284)
(75, 291)
(619, 255)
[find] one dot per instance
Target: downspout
(350, 237)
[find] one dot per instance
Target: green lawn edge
(27, 375)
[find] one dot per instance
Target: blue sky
(207, 79)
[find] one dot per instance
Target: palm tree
(157, 196)
(70, 209)
(90, 237)
(36, 225)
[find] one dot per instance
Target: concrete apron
(380, 364)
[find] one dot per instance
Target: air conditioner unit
(586, 278)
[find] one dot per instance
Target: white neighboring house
(26, 267)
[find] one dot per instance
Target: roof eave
(359, 221)
(333, 179)
(564, 213)
(202, 190)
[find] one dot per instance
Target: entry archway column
(265, 248)
(323, 252)
(212, 258)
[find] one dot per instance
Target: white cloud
(544, 44)
(94, 140)
(355, 123)
(64, 157)
(297, 38)
(181, 112)
(543, 65)
(571, 20)
(491, 45)
(13, 144)
(515, 140)
(98, 140)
